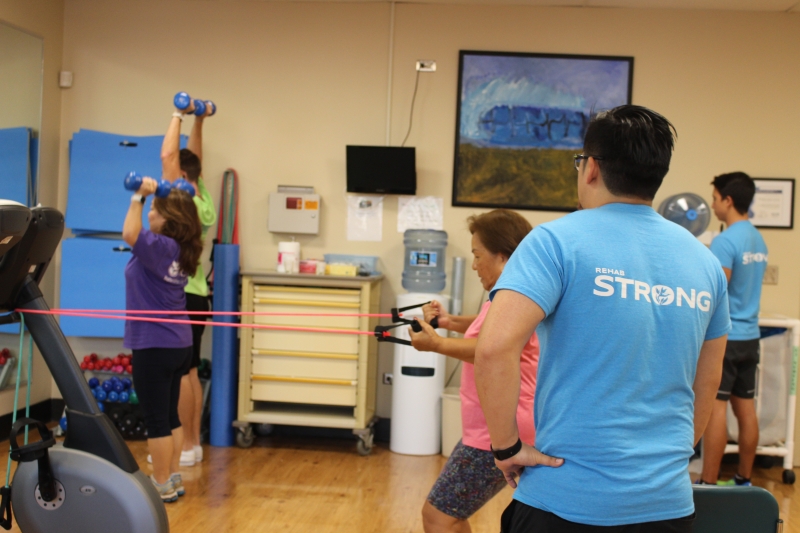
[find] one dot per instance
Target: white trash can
(451, 419)
(417, 388)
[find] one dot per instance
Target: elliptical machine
(92, 483)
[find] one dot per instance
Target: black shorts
(521, 518)
(739, 370)
(195, 302)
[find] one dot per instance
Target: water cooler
(419, 376)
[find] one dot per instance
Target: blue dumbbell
(101, 395)
(124, 397)
(63, 423)
(183, 185)
(200, 107)
(133, 180)
(113, 396)
(182, 101)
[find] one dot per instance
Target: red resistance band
(77, 313)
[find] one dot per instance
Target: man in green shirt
(188, 163)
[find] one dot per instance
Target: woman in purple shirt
(163, 258)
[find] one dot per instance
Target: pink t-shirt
(474, 431)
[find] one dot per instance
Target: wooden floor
(322, 485)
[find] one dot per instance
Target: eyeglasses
(578, 158)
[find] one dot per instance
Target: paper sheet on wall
(364, 218)
(419, 212)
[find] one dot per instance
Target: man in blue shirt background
(743, 255)
(632, 317)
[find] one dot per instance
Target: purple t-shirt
(154, 281)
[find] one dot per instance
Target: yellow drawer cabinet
(301, 378)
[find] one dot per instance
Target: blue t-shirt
(629, 299)
(741, 250)
(154, 281)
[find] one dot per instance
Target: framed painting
(521, 118)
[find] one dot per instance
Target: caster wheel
(362, 448)
(788, 477)
(245, 438)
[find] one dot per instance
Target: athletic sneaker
(165, 490)
(737, 481)
(198, 453)
(177, 482)
(187, 458)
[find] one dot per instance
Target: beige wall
(297, 82)
(44, 18)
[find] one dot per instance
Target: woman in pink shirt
(470, 477)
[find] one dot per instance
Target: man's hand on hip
(527, 456)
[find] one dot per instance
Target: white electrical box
(294, 210)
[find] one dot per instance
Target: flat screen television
(381, 169)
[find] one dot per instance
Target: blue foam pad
(96, 200)
(93, 277)
(224, 378)
(14, 164)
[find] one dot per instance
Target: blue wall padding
(33, 191)
(224, 364)
(96, 200)
(93, 277)
(14, 164)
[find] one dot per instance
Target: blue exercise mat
(93, 277)
(96, 200)
(15, 164)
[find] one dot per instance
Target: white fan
(688, 210)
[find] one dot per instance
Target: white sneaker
(187, 458)
(198, 453)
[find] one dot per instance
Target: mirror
(21, 64)
(20, 113)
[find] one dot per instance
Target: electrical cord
(411, 115)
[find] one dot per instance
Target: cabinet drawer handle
(303, 303)
(317, 381)
(121, 249)
(314, 355)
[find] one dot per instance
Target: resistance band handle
(5, 508)
(36, 451)
(416, 327)
(396, 312)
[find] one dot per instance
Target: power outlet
(426, 65)
(388, 377)
(771, 275)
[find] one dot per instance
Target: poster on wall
(521, 119)
(773, 203)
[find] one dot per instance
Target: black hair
(739, 187)
(190, 164)
(633, 146)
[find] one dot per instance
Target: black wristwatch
(502, 455)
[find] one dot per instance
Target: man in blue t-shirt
(632, 316)
(743, 255)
